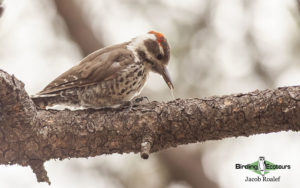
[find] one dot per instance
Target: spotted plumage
(110, 75)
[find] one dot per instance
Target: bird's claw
(141, 100)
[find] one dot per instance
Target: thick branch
(30, 136)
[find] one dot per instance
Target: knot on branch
(14, 101)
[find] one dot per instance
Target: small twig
(146, 146)
(38, 168)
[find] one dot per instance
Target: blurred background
(218, 47)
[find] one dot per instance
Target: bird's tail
(42, 101)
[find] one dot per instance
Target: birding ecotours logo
(262, 167)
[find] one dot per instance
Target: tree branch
(30, 136)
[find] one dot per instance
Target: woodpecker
(111, 75)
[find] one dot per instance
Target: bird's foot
(133, 103)
(127, 105)
(140, 100)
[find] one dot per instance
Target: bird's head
(153, 49)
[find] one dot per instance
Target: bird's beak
(165, 74)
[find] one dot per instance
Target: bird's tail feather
(42, 101)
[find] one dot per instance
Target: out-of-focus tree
(78, 27)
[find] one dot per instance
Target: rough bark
(31, 136)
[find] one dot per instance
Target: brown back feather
(96, 67)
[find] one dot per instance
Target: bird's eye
(159, 56)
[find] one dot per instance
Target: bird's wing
(96, 67)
